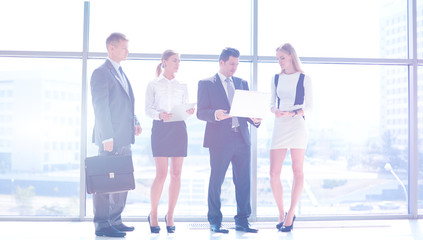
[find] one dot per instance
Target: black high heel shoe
(288, 228)
(155, 229)
(170, 229)
(279, 225)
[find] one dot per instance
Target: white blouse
(287, 89)
(163, 94)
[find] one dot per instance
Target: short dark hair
(227, 52)
(115, 38)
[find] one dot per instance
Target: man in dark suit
(228, 140)
(114, 130)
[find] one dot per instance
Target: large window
(196, 169)
(40, 115)
(419, 107)
(356, 143)
(358, 158)
(188, 26)
(331, 28)
(420, 143)
(45, 25)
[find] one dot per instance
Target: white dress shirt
(223, 80)
(163, 94)
(225, 86)
(122, 79)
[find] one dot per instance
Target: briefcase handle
(111, 153)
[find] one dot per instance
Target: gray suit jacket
(113, 107)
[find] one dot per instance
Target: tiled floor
(308, 230)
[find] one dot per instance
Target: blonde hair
(165, 56)
(289, 49)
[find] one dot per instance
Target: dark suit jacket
(113, 107)
(211, 97)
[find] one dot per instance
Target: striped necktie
(231, 92)
(123, 80)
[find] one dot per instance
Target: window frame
(412, 62)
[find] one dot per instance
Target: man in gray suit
(114, 130)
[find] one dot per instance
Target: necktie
(231, 92)
(123, 80)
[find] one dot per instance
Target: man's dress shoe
(123, 228)
(245, 228)
(110, 232)
(218, 228)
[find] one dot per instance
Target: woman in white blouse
(291, 101)
(169, 140)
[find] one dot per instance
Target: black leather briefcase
(109, 174)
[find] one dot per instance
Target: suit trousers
(109, 207)
(235, 151)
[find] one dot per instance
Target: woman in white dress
(291, 101)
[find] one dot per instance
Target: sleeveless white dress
(290, 132)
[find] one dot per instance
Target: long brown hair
(165, 56)
(289, 49)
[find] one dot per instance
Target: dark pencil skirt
(169, 139)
